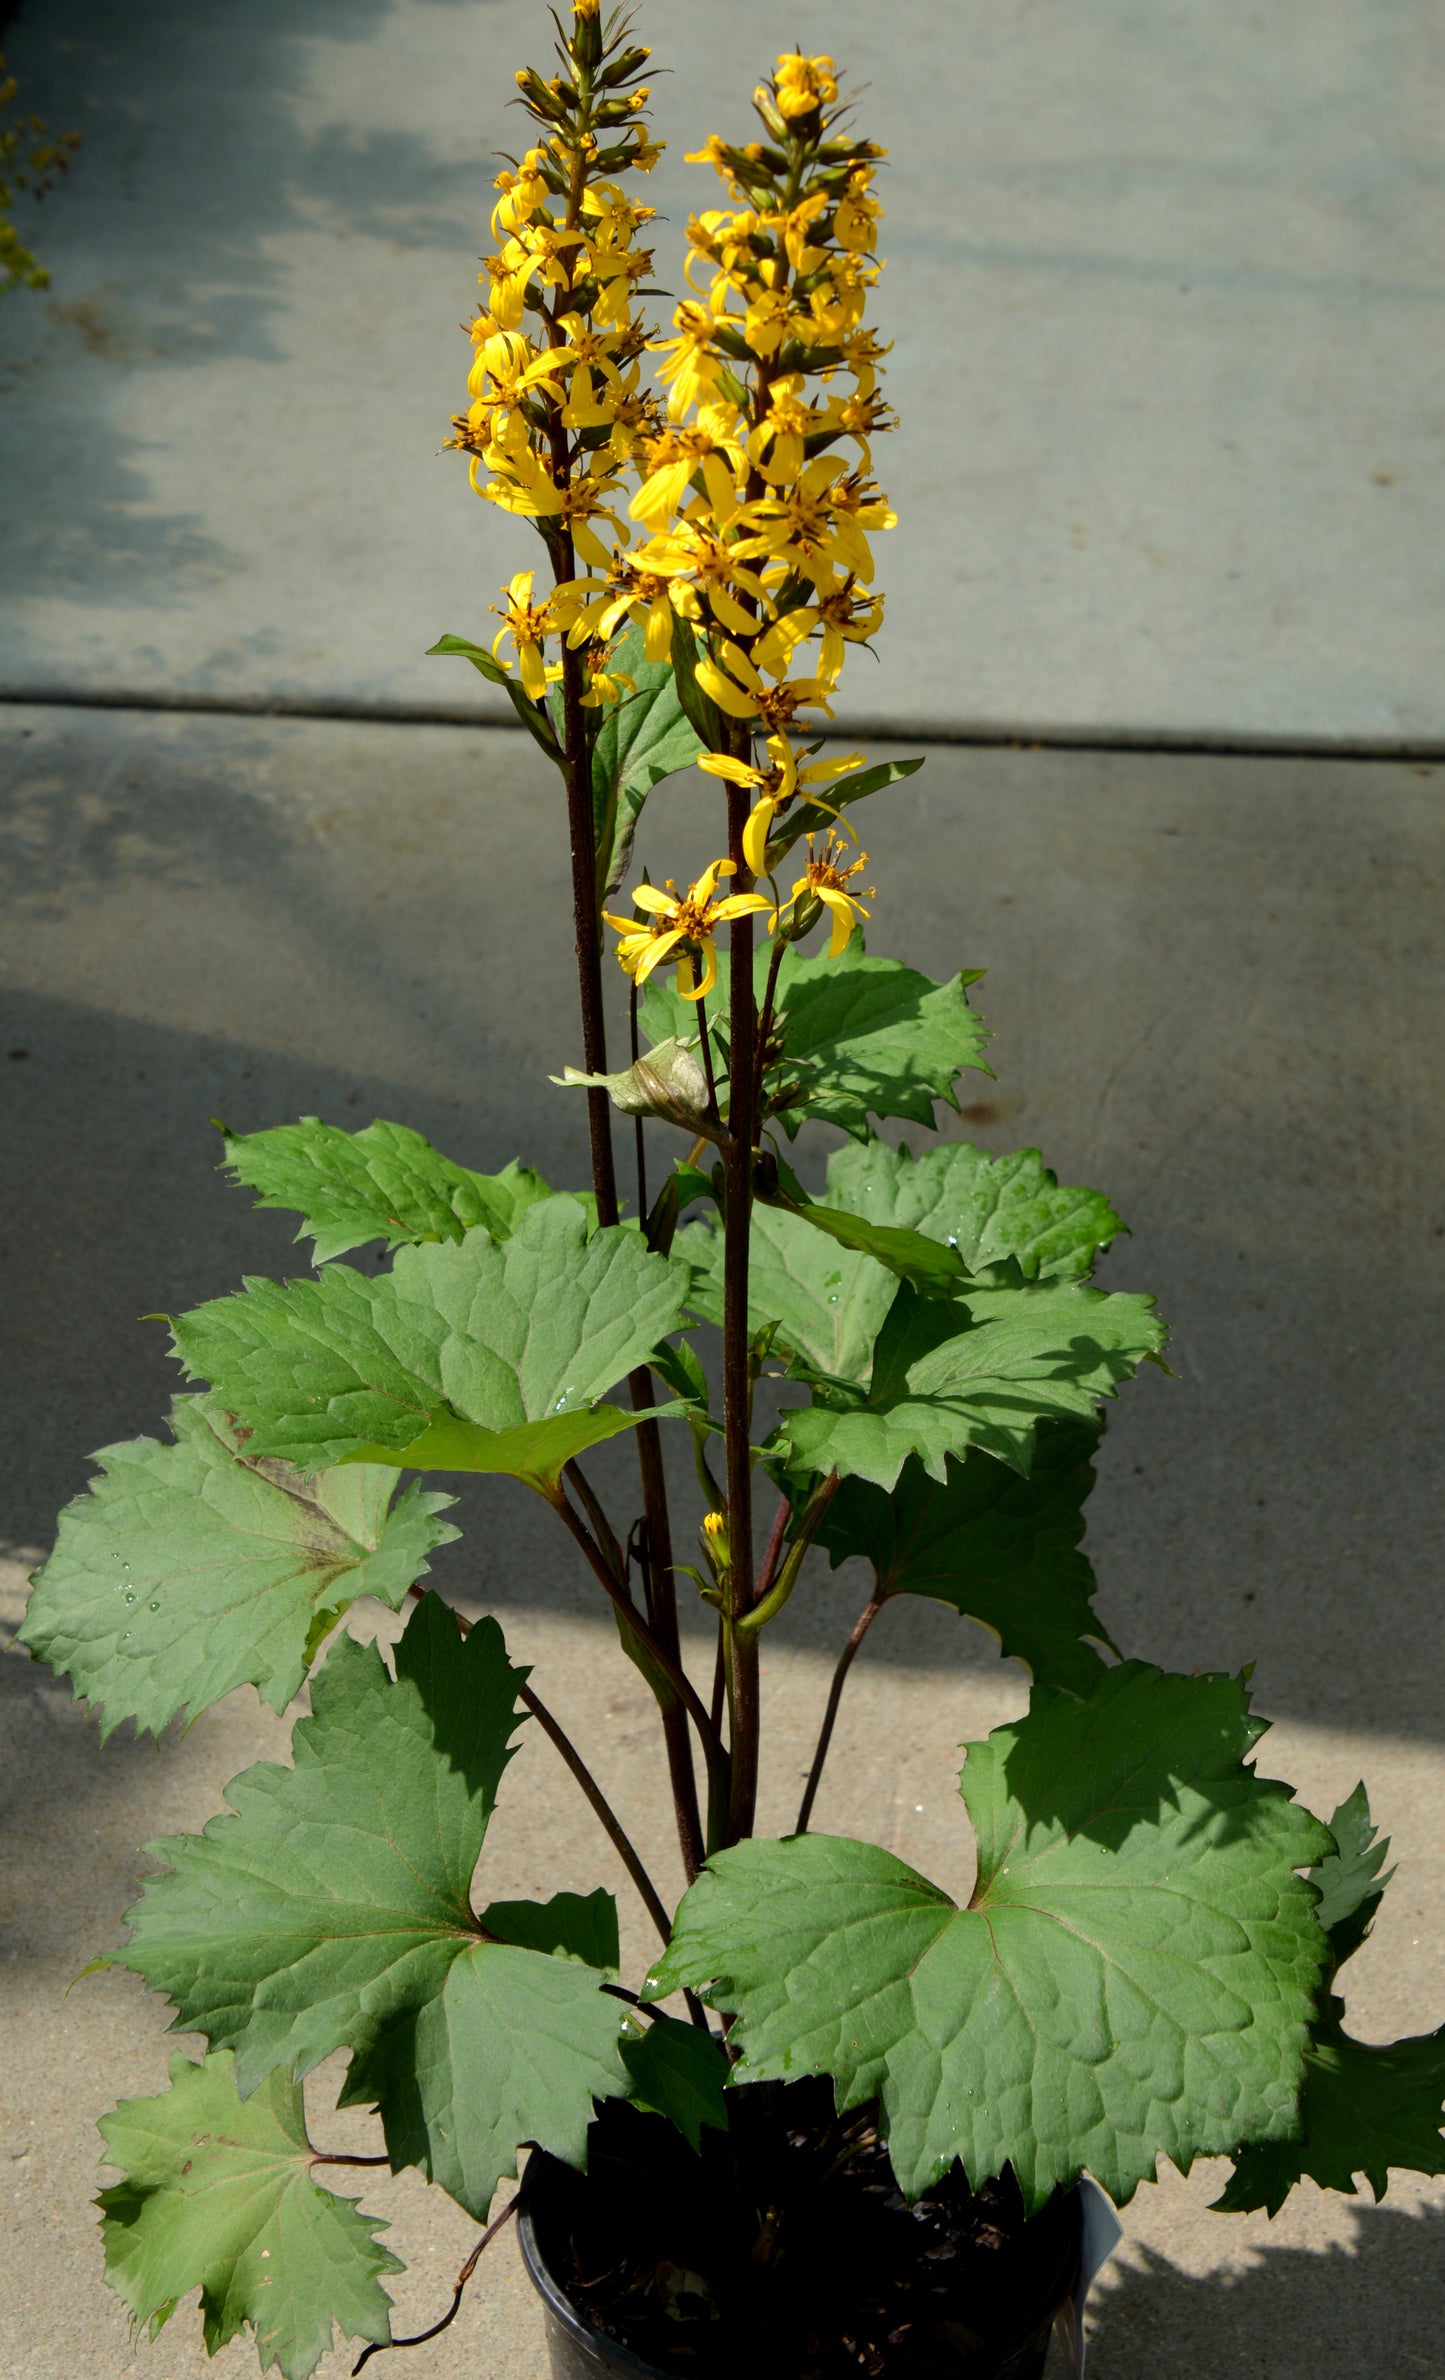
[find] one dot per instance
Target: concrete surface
(1213, 987)
(1167, 287)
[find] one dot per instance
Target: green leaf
(681, 1369)
(680, 2072)
(1001, 1550)
(463, 649)
(1364, 2107)
(703, 713)
(1349, 1879)
(333, 1908)
(982, 1369)
(533, 715)
(571, 1925)
(993, 1211)
(644, 738)
(865, 1036)
(189, 1569)
(218, 2195)
(385, 1183)
(814, 818)
(910, 1256)
(829, 1302)
(516, 2047)
(1133, 1975)
(472, 1357)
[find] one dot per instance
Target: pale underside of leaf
(189, 1569)
(218, 2195)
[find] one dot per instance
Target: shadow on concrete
(1366, 2307)
(188, 128)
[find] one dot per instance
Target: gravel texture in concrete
(1211, 984)
(1166, 288)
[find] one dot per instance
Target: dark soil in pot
(785, 2251)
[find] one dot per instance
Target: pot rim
(540, 2167)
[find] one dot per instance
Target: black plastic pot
(580, 2353)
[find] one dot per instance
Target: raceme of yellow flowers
(755, 503)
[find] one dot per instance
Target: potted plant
(853, 2139)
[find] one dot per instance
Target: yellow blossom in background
(686, 925)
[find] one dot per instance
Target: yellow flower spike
(686, 924)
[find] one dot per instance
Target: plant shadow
(1376, 2301)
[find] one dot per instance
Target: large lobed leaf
(864, 1036)
(994, 1211)
(827, 1271)
(473, 1357)
(980, 1369)
(384, 1183)
(1133, 1975)
(333, 1909)
(897, 1375)
(218, 2195)
(189, 1569)
(1001, 1550)
(1364, 2106)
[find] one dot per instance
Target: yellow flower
(522, 193)
(605, 686)
(823, 880)
(527, 624)
(678, 455)
(775, 787)
(630, 592)
(701, 567)
(855, 225)
(686, 924)
(778, 444)
(693, 364)
(843, 616)
(740, 691)
(803, 84)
